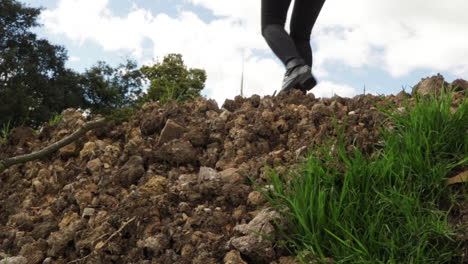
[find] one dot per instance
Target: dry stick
(105, 242)
(5, 163)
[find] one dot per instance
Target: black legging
(297, 44)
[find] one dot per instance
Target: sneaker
(298, 76)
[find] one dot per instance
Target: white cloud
(328, 89)
(74, 59)
(397, 36)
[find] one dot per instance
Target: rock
(156, 245)
(22, 221)
(233, 257)
(205, 105)
(83, 198)
(430, 85)
(44, 173)
(231, 175)
(187, 251)
(47, 261)
(68, 151)
(89, 150)
(71, 115)
(460, 85)
(208, 174)
(44, 229)
(156, 185)
(34, 252)
(38, 186)
(171, 131)
(178, 151)
(198, 137)
(256, 198)
(256, 247)
(152, 123)
(131, 172)
(88, 212)
(58, 241)
(14, 260)
(94, 165)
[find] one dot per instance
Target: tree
(171, 80)
(34, 83)
(108, 88)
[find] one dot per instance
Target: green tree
(34, 83)
(171, 80)
(107, 88)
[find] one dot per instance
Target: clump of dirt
(171, 185)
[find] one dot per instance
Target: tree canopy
(34, 82)
(172, 80)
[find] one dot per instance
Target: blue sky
(384, 46)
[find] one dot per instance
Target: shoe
(298, 76)
(308, 84)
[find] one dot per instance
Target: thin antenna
(242, 76)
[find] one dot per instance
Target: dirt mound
(170, 185)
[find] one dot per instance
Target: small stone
(43, 173)
(88, 212)
(233, 257)
(88, 150)
(156, 245)
(83, 198)
(256, 198)
(156, 184)
(187, 251)
(47, 261)
(231, 175)
(38, 186)
(69, 150)
(94, 165)
(208, 174)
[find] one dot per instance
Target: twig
(5, 163)
(105, 242)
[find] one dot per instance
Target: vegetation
(107, 89)
(379, 209)
(32, 71)
(171, 80)
(35, 84)
(4, 132)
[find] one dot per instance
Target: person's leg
(274, 14)
(304, 15)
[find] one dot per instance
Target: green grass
(55, 119)
(4, 132)
(384, 209)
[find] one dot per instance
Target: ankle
(294, 62)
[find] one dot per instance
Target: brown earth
(170, 185)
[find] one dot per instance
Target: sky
(382, 47)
